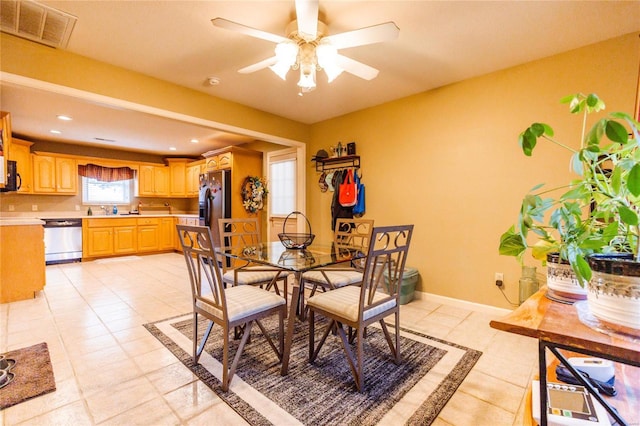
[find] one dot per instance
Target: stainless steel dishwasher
(62, 240)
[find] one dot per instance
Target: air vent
(37, 22)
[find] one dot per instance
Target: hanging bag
(359, 208)
(348, 191)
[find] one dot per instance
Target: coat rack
(332, 163)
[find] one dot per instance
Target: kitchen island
(22, 268)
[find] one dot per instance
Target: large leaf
(633, 180)
(594, 135)
(528, 141)
(540, 250)
(511, 244)
(582, 270)
(628, 216)
(616, 132)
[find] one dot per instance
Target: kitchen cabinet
(194, 170)
(178, 177)
(54, 175)
(153, 181)
(148, 234)
(109, 236)
(21, 154)
(219, 161)
(124, 239)
(166, 231)
(5, 145)
(22, 268)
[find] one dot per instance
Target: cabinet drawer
(94, 223)
(148, 221)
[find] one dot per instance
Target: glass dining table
(296, 261)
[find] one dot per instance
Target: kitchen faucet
(106, 210)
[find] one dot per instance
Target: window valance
(106, 174)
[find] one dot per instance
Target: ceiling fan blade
(368, 35)
(234, 26)
(258, 66)
(307, 16)
(356, 68)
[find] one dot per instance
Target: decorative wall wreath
(254, 192)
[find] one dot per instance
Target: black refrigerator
(214, 200)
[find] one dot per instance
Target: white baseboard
(462, 304)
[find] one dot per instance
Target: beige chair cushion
(336, 278)
(345, 302)
(247, 276)
(243, 301)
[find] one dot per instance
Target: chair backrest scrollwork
(384, 266)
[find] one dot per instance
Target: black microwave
(13, 178)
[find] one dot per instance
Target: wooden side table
(558, 327)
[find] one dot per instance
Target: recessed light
(64, 117)
(55, 132)
(194, 141)
(213, 81)
(172, 148)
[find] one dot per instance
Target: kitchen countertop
(20, 222)
(39, 216)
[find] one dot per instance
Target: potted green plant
(593, 223)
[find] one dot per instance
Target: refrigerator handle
(208, 207)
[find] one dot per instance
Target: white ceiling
(440, 42)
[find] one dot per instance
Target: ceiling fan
(309, 48)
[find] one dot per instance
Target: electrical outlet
(12, 207)
(34, 207)
(77, 207)
(499, 278)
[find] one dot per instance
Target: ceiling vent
(37, 22)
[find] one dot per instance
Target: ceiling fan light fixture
(307, 80)
(327, 60)
(286, 55)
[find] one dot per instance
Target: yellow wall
(448, 160)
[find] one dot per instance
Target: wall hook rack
(332, 163)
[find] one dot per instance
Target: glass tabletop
(295, 260)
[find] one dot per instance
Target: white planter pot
(562, 283)
(614, 292)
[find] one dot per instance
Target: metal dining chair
(359, 307)
(349, 233)
(228, 307)
(242, 233)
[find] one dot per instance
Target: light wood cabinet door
(145, 181)
(148, 238)
(211, 163)
(193, 180)
(44, 174)
(225, 160)
(125, 240)
(161, 181)
(178, 179)
(99, 242)
(66, 175)
(167, 230)
(21, 154)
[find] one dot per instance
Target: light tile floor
(110, 371)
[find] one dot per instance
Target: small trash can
(408, 284)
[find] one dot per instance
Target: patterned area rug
(413, 392)
(33, 375)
